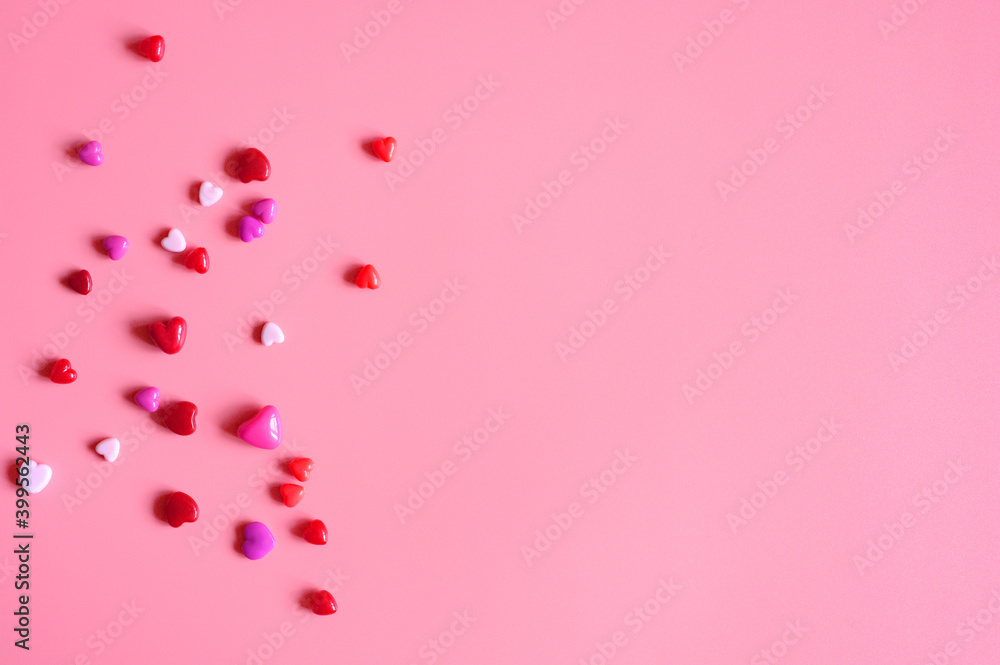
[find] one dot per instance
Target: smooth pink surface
(473, 310)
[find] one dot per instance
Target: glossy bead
(148, 399)
(174, 242)
(180, 509)
(180, 418)
(91, 154)
(109, 449)
(62, 372)
(323, 603)
(263, 430)
(81, 282)
(38, 476)
(115, 246)
(291, 494)
(250, 228)
(253, 165)
(209, 194)
(197, 260)
(169, 335)
(271, 334)
(368, 278)
(315, 533)
(385, 148)
(257, 540)
(152, 48)
(301, 467)
(264, 210)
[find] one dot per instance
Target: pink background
(276, 73)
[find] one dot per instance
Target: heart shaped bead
(209, 194)
(174, 242)
(385, 148)
(291, 494)
(197, 260)
(271, 334)
(263, 430)
(315, 533)
(115, 246)
(109, 449)
(257, 540)
(81, 282)
(301, 467)
(62, 372)
(180, 417)
(148, 399)
(253, 165)
(264, 210)
(179, 509)
(250, 228)
(91, 154)
(37, 475)
(169, 335)
(368, 278)
(323, 603)
(152, 48)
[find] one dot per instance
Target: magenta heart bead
(250, 228)
(257, 540)
(263, 430)
(115, 246)
(148, 399)
(265, 210)
(91, 154)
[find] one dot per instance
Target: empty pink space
(684, 346)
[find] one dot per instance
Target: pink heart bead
(250, 228)
(115, 246)
(148, 399)
(264, 210)
(91, 154)
(263, 430)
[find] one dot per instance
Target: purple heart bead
(116, 246)
(265, 210)
(91, 154)
(250, 228)
(263, 430)
(257, 540)
(148, 399)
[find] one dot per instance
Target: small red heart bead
(169, 335)
(180, 508)
(253, 165)
(368, 278)
(81, 282)
(179, 418)
(301, 467)
(315, 533)
(197, 260)
(152, 48)
(291, 494)
(384, 148)
(62, 372)
(323, 603)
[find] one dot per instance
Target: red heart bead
(180, 508)
(169, 335)
(384, 148)
(179, 418)
(62, 372)
(300, 468)
(291, 494)
(253, 165)
(152, 48)
(81, 282)
(315, 533)
(197, 260)
(323, 603)
(368, 278)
